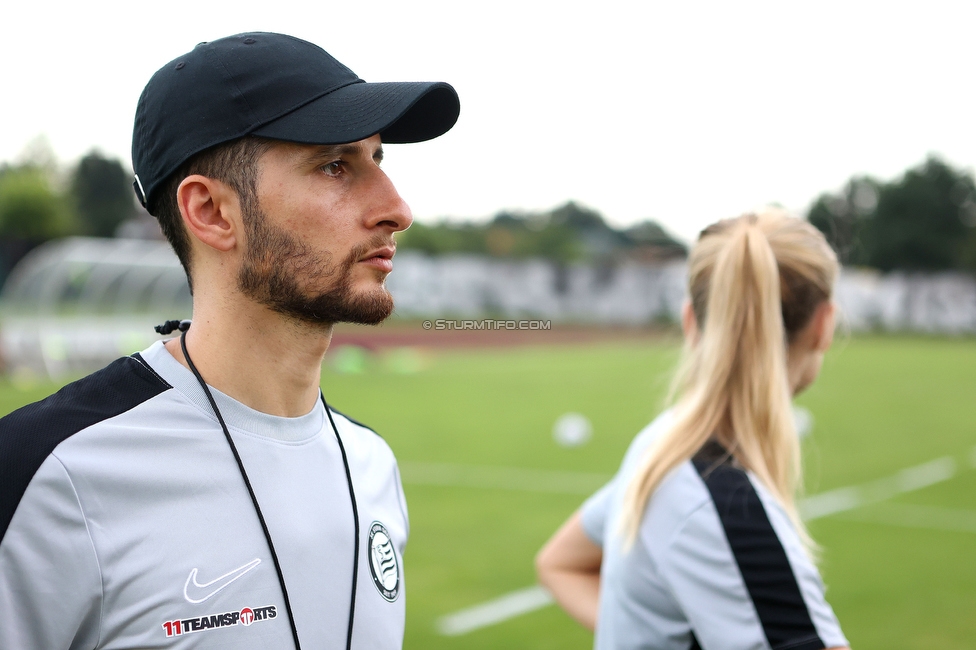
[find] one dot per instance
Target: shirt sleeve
(595, 512)
(50, 584)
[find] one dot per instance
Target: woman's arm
(569, 567)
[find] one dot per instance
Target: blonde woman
(696, 542)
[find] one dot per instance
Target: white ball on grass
(572, 430)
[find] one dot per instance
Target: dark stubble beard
(280, 271)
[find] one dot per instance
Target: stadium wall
(73, 306)
(635, 294)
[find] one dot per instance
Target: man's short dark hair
(234, 163)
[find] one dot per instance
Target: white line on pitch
(530, 599)
(907, 480)
(540, 480)
(501, 478)
(501, 609)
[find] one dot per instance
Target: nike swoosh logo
(194, 592)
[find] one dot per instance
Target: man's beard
(275, 261)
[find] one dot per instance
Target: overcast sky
(680, 112)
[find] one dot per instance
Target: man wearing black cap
(201, 493)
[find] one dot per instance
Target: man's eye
(333, 168)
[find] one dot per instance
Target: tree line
(568, 233)
(924, 220)
(40, 201)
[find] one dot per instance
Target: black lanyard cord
(355, 521)
(183, 326)
(247, 482)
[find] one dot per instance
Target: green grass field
(901, 573)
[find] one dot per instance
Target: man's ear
(211, 211)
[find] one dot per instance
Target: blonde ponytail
(755, 282)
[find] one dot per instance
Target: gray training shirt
(717, 564)
(125, 523)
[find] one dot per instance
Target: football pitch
(486, 483)
(894, 420)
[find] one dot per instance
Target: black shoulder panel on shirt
(762, 560)
(30, 434)
(356, 422)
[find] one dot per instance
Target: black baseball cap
(275, 86)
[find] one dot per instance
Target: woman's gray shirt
(717, 563)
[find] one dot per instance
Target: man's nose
(389, 209)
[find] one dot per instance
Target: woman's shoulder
(601, 510)
(712, 489)
(677, 498)
(709, 483)
(645, 437)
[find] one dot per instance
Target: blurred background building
(86, 274)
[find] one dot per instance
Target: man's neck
(258, 357)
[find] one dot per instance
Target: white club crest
(383, 562)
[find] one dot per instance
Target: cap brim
(399, 111)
